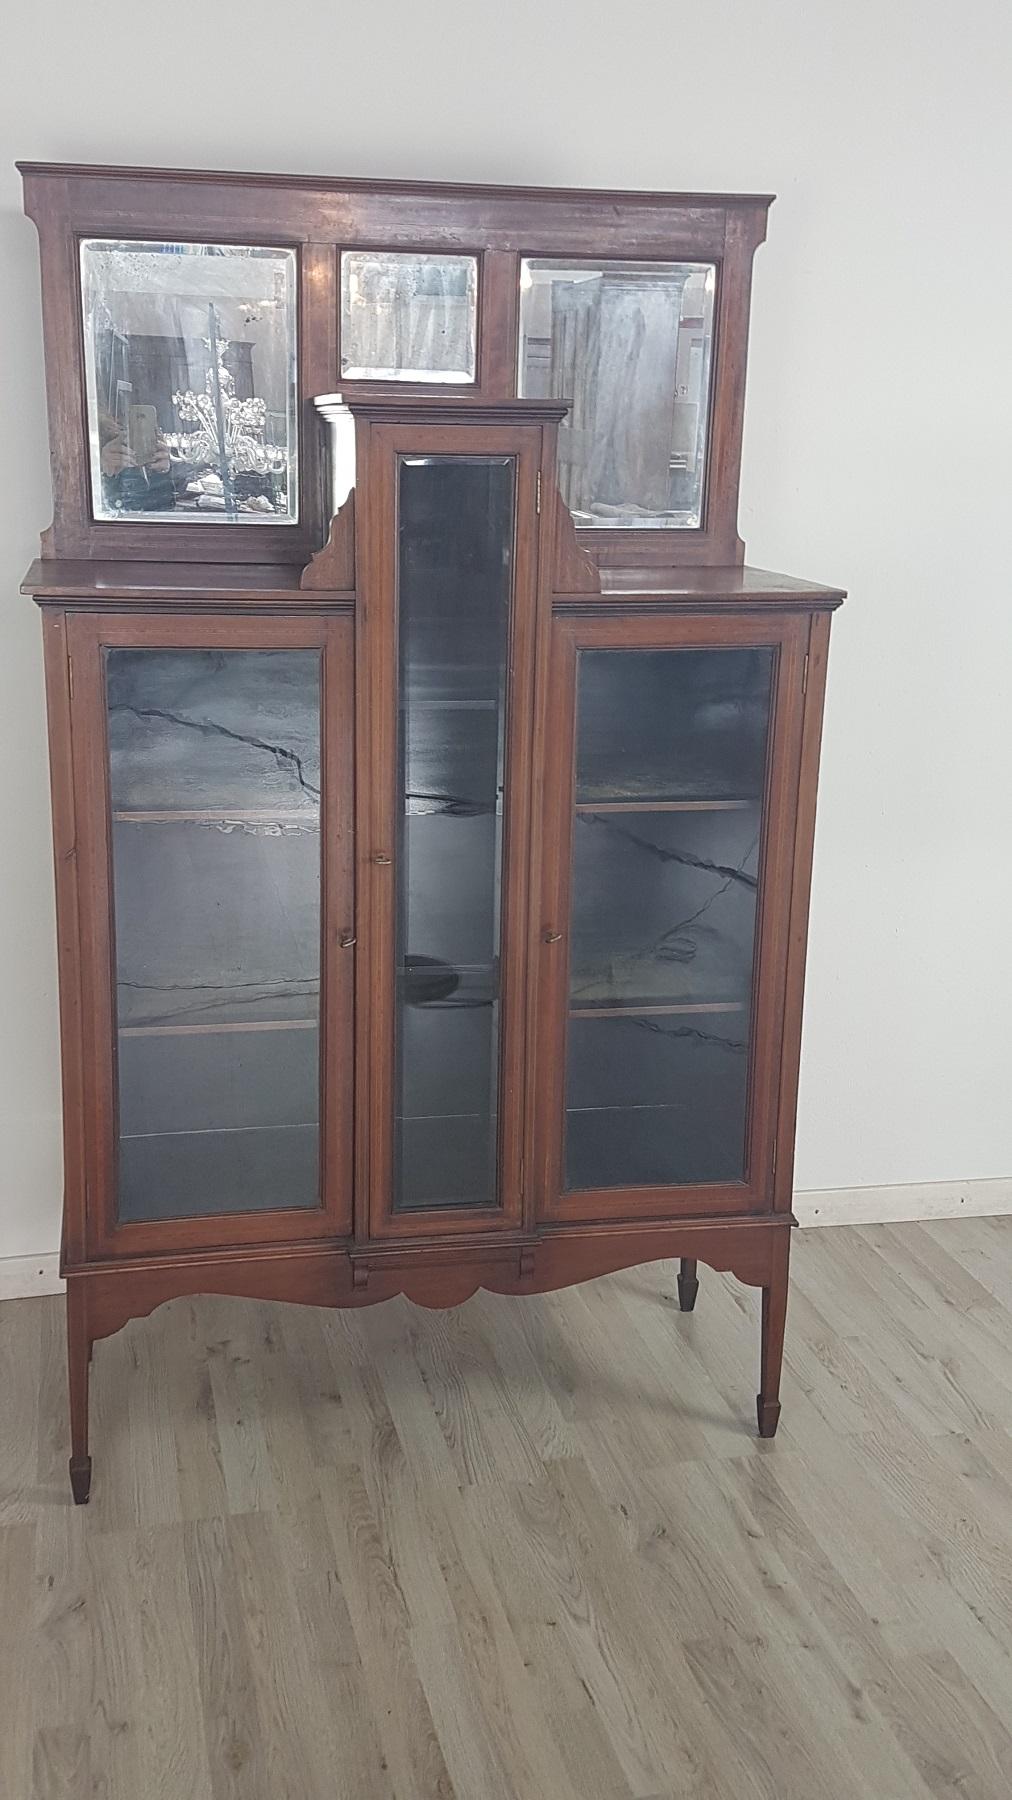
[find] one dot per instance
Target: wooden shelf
(137, 1031)
(408, 704)
(662, 806)
(220, 815)
(633, 1010)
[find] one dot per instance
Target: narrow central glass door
(456, 526)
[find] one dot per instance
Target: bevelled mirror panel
(190, 358)
(629, 346)
(406, 316)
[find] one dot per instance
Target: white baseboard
(23, 1276)
(908, 1203)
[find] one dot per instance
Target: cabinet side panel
(61, 778)
(797, 946)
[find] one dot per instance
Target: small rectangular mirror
(406, 316)
(190, 363)
(629, 345)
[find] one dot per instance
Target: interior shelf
(307, 817)
(410, 704)
(217, 1030)
(613, 804)
(715, 982)
(677, 784)
(636, 1009)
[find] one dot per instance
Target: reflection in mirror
(190, 363)
(408, 317)
(629, 346)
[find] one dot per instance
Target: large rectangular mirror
(629, 346)
(190, 361)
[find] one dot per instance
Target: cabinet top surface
(385, 184)
(207, 584)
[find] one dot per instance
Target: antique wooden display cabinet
(433, 786)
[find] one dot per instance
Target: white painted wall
(877, 450)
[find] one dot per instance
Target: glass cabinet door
(217, 863)
(452, 684)
(666, 813)
(455, 546)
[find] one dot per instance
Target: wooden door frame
(88, 635)
(383, 438)
(787, 635)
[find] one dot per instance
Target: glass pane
(670, 772)
(190, 362)
(407, 317)
(214, 772)
(456, 526)
(628, 345)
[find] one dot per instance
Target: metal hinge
(70, 675)
(804, 675)
(539, 492)
(774, 1169)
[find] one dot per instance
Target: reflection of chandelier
(244, 449)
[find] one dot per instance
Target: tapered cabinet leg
(78, 1361)
(688, 1284)
(774, 1321)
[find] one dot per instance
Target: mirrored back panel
(191, 374)
(180, 390)
(629, 345)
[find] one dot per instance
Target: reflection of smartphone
(142, 433)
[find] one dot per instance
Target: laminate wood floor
(530, 1548)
